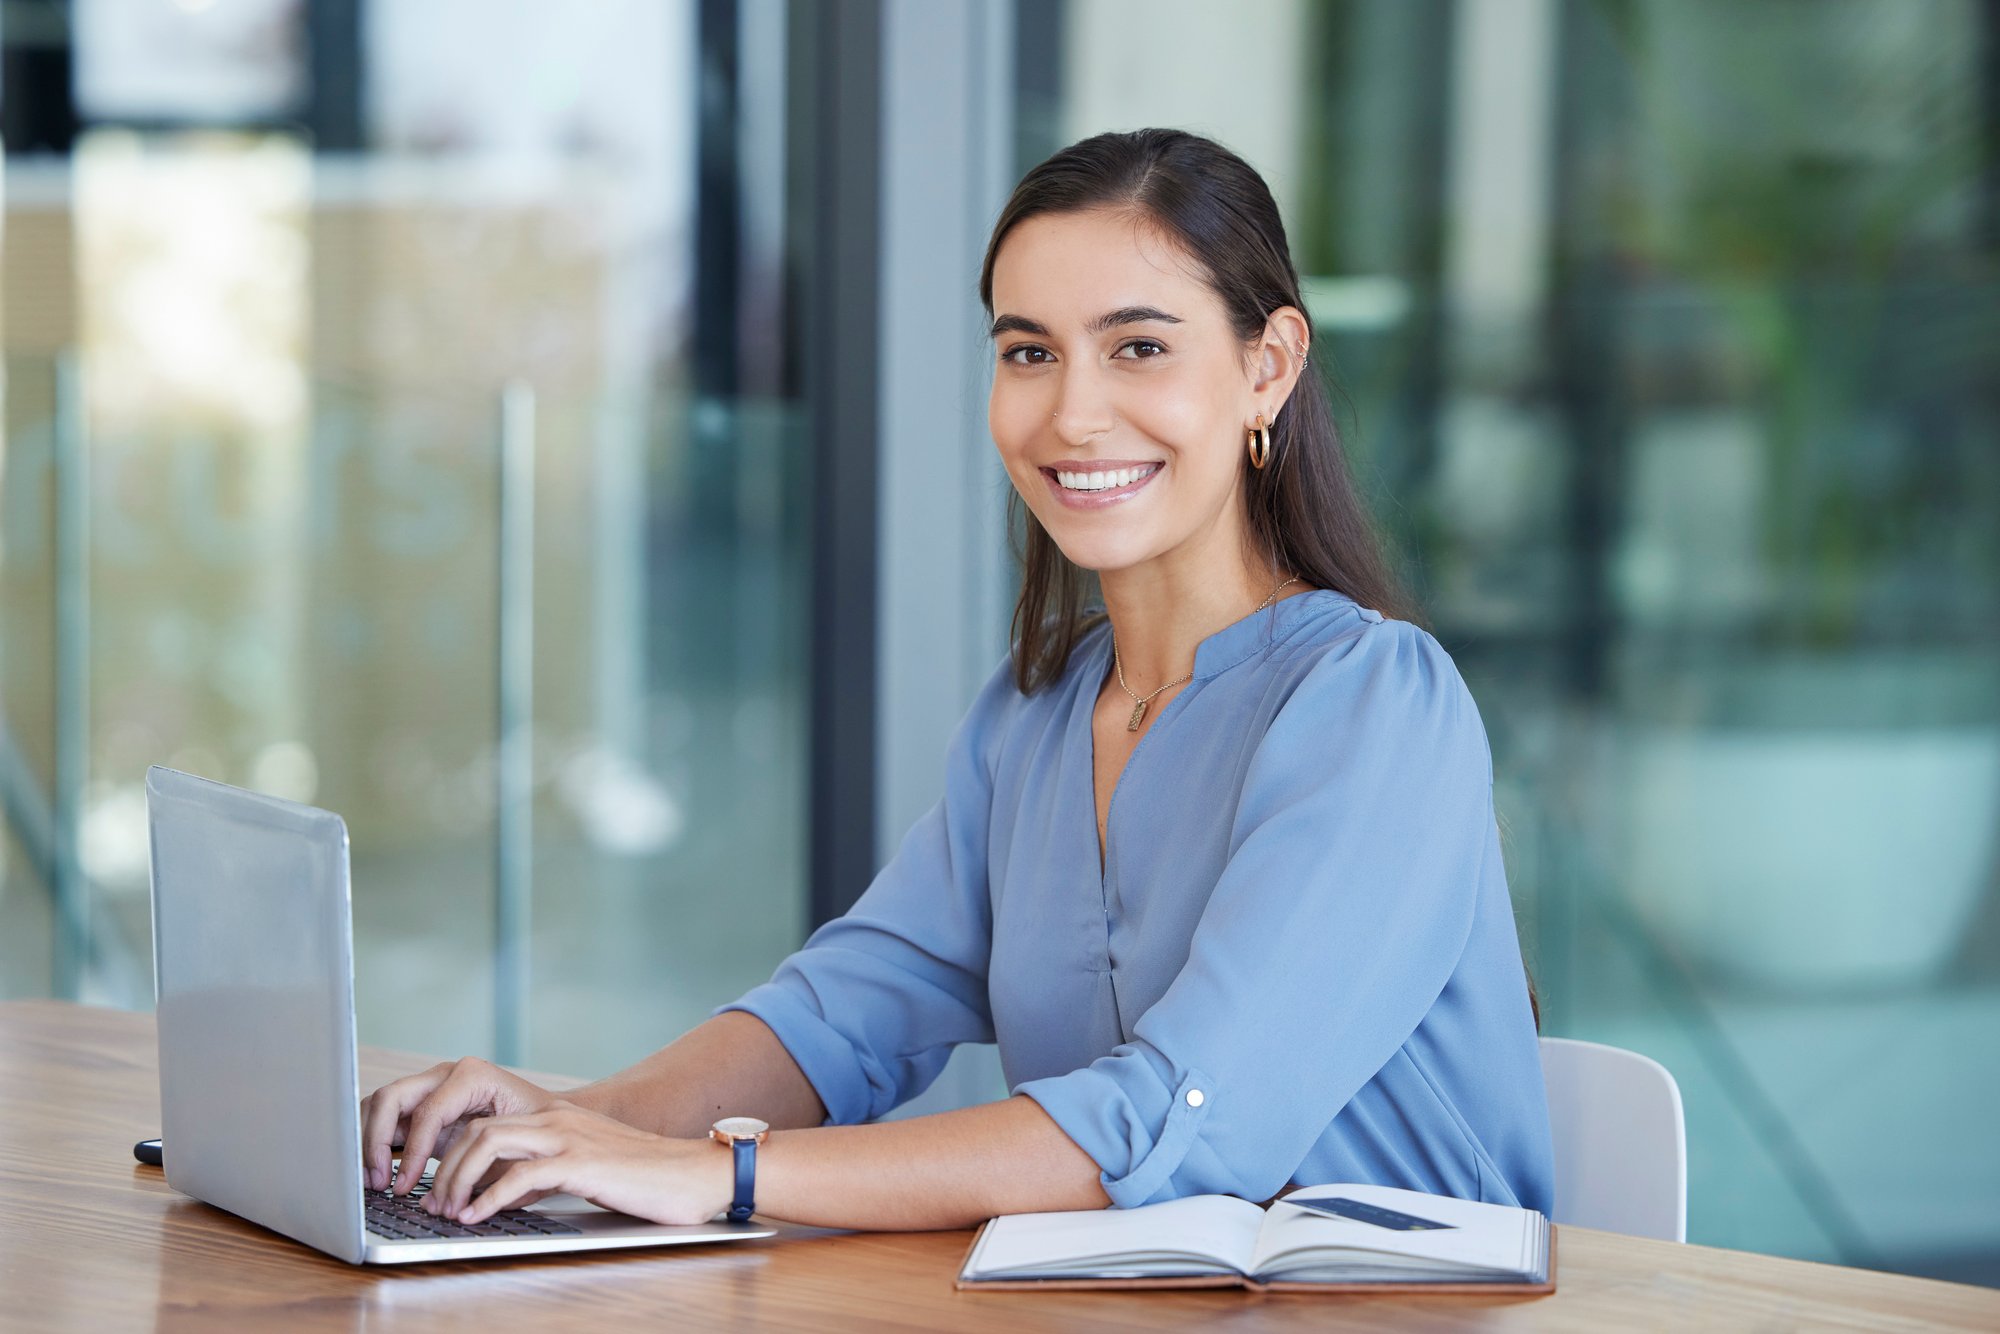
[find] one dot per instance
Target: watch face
(741, 1127)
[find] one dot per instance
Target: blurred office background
(554, 438)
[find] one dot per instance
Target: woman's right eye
(1009, 354)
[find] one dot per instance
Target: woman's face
(1121, 395)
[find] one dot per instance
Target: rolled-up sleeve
(874, 1001)
(1345, 904)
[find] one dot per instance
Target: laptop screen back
(253, 962)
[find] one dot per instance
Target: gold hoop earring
(1260, 443)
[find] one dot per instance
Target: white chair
(1620, 1140)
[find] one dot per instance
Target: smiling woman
(1177, 215)
(1296, 959)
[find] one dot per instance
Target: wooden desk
(91, 1240)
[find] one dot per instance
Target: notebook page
(1220, 1228)
(1490, 1237)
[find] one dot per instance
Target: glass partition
(391, 432)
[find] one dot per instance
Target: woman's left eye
(1144, 342)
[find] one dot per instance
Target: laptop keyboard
(403, 1216)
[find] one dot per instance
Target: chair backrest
(1620, 1140)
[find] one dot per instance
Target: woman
(1298, 962)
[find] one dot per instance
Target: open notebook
(1353, 1237)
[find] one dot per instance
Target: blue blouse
(1298, 964)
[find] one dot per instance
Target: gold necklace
(1139, 703)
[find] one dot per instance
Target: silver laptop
(253, 955)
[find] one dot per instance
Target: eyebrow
(1108, 320)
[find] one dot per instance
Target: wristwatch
(743, 1134)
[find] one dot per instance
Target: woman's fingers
(484, 1143)
(447, 1137)
(426, 1112)
(462, 1092)
(521, 1184)
(563, 1147)
(382, 1114)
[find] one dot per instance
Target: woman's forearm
(948, 1170)
(731, 1065)
(637, 1142)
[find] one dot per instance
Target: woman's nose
(1081, 410)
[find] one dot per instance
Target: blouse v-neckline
(1227, 647)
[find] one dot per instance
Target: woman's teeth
(1104, 481)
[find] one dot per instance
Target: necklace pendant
(1138, 716)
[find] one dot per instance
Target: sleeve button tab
(1195, 1097)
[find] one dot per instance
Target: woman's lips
(1096, 500)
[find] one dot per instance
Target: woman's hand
(564, 1147)
(426, 1114)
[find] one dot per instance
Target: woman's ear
(1280, 358)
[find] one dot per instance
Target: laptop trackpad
(596, 1221)
(566, 1204)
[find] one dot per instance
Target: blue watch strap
(746, 1180)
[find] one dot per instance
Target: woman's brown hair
(1304, 511)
